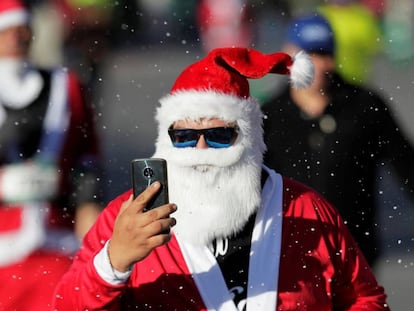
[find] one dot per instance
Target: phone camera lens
(148, 172)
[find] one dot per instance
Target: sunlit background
(141, 46)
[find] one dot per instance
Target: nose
(201, 143)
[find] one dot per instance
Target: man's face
(324, 65)
(15, 42)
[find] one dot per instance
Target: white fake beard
(212, 201)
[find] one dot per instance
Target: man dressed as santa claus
(242, 237)
(49, 162)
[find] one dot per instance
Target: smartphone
(144, 172)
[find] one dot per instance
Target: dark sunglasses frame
(215, 137)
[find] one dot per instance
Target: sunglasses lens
(220, 137)
(183, 138)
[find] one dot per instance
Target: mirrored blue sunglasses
(216, 137)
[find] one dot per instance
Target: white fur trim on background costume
(13, 18)
(20, 84)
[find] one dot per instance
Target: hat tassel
(301, 71)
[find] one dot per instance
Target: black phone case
(144, 173)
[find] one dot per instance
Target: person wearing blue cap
(343, 134)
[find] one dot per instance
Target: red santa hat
(12, 13)
(217, 85)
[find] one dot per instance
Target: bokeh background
(135, 50)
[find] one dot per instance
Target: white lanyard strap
(264, 258)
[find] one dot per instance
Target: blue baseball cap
(312, 34)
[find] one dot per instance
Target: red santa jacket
(321, 268)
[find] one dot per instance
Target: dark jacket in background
(339, 153)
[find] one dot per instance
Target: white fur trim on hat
(194, 105)
(14, 18)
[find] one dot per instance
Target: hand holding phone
(136, 234)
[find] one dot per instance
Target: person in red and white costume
(242, 236)
(49, 168)
(224, 23)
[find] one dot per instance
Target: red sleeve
(355, 287)
(81, 288)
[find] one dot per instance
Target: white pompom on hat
(13, 13)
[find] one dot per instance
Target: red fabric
(30, 283)
(377, 7)
(11, 219)
(227, 70)
(320, 269)
(211, 13)
(224, 23)
(8, 5)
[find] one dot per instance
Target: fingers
(162, 211)
(160, 232)
(153, 221)
(138, 204)
(160, 226)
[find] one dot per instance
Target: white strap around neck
(264, 258)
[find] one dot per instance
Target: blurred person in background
(399, 32)
(49, 168)
(82, 34)
(86, 36)
(358, 37)
(183, 18)
(224, 23)
(342, 132)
